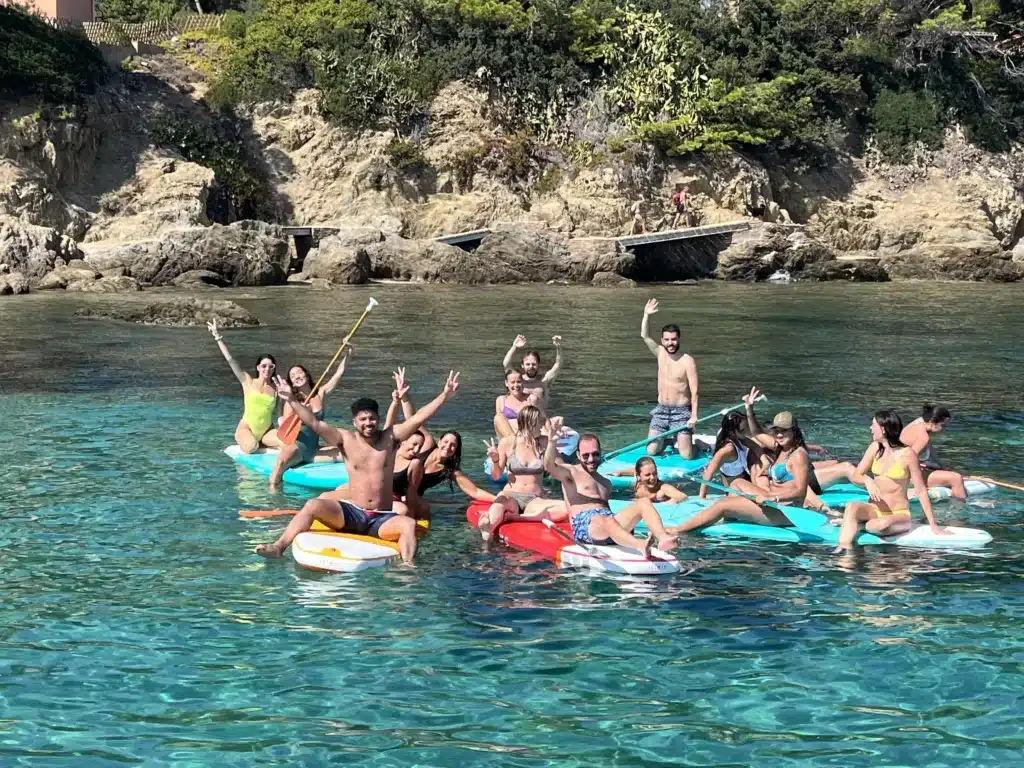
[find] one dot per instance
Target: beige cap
(784, 420)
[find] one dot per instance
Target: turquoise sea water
(137, 628)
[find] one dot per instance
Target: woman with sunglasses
(259, 398)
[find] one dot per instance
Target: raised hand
(284, 389)
(401, 387)
(556, 425)
(451, 386)
(492, 450)
(212, 328)
(556, 341)
(520, 342)
(750, 399)
(651, 307)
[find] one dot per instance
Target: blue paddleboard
(671, 466)
(320, 476)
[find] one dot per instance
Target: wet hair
(588, 436)
(453, 463)
(261, 358)
(642, 462)
(303, 369)
(936, 414)
(892, 426)
(731, 430)
(365, 404)
(671, 328)
(529, 418)
(531, 353)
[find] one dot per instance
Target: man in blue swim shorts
(369, 452)
(678, 399)
(587, 495)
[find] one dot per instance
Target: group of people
(391, 465)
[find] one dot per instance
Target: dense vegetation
(783, 75)
(40, 61)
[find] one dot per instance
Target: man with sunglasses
(586, 496)
(677, 387)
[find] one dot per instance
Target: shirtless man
(586, 496)
(677, 387)
(369, 454)
(533, 383)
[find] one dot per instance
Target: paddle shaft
(676, 430)
(996, 482)
(254, 514)
(734, 492)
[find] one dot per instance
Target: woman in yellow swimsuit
(894, 466)
(259, 396)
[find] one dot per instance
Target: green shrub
(465, 164)
(405, 155)
(548, 182)
(233, 25)
(899, 120)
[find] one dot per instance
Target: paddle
(996, 482)
(652, 438)
(744, 494)
(254, 514)
(288, 432)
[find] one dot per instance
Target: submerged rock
(179, 313)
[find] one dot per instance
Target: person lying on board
(918, 435)
(307, 443)
(586, 497)
(521, 455)
(785, 481)
(258, 396)
(894, 466)
(648, 485)
(369, 454)
(533, 382)
(678, 397)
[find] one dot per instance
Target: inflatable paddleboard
(567, 445)
(670, 465)
(322, 549)
(839, 494)
(320, 476)
(815, 528)
(534, 536)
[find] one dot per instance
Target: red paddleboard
(534, 536)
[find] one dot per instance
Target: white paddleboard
(617, 560)
(340, 552)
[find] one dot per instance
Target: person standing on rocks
(677, 387)
(639, 226)
(369, 453)
(260, 399)
(681, 201)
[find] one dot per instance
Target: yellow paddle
(996, 482)
(288, 432)
(253, 514)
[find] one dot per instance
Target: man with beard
(533, 383)
(369, 454)
(677, 387)
(586, 496)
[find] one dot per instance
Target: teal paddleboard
(839, 494)
(813, 528)
(671, 467)
(319, 476)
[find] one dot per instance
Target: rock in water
(120, 284)
(178, 313)
(14, 283)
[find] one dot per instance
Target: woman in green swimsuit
(259, 396)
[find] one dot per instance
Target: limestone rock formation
(13, 284)
(61, 277)
(177, 313)
(31, 250)
(121, 284)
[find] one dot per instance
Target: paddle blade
(288, 432)
(371, 304)
(254, 514)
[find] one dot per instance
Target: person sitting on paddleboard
(307, 443)
(521, 454)
(369, 454)
(533, 383)
(586, 497)
(648, 485)
(677, 387)
(259, 398)
(508, 406)
(894, 466)
(733, 454)
(918, 435)
(785, 481)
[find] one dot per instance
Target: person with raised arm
(678, 397)
(533, 382)
(307, 443)
(894, 466)
(369, 454)
(586, 497)
(258, 396)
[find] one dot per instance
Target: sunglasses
(595, 455)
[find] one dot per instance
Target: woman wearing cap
(785, 481)
(918, 435)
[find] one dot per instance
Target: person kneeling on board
(369, 455)
(587, 493)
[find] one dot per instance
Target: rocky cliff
(99, 200)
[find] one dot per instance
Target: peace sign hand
(212, 328)
(451, 386)
(749, 400)
(401, 387)
(284, 389)
(492, 450)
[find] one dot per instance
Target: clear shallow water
(135, 627)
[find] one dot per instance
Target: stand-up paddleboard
(320, 476)
(322, 549)
(670, 465)
(534, 536)
(840, 493)
(567, 444)
(815, 528)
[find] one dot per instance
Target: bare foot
(840, 550)
(668, 543)
(268, 550)
(648, 545)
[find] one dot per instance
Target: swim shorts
(581, 525)
(361, 521)
(666, 417)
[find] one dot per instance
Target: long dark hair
(642, 462)
(731, 431)
(303, 369)
(453, 463)
(260, 359)
(936, 414)
(892, 426)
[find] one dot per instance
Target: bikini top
(507, 412)
(516, 467)
(780, 472)
(896, 470)
(400, 481)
